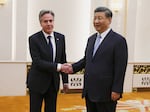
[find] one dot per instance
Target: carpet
(122, 106)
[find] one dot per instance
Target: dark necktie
(50, 47)
(97, 43)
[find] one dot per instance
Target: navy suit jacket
(104, 73)
(43, 70)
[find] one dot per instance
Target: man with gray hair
(47, 49)
(105, 62)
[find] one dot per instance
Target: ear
(110, 19)
(40, 24)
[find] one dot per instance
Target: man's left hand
(115, 96)
(65, 88)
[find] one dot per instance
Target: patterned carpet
(122, 106)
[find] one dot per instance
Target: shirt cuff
(65, 84)
(58, 67)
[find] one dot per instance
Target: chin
(48, 32)
(98, 29)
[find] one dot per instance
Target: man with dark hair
(105, 64)
(47, 49)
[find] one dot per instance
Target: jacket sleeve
(63, 60)
(120, 64)
(79, 65)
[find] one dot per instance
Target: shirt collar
(103, 35)
(46, 35)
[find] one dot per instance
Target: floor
(131, 102)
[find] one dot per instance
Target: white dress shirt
(54, 47)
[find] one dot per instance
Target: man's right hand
(67, 68)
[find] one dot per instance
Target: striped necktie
(97, 43)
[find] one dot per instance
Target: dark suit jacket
(43, 71)
(104, 73)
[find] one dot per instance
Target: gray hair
(43, 12)
(108, 12)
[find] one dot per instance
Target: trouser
(100, 106)
(49, 99)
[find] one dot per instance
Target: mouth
(97, 26)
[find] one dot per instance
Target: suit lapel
(104, 43)
(90, 47)
(43, 40)
(44, 44)
(57, 40)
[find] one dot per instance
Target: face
(47, 23)
(101, 22)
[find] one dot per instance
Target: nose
(48, 22)
(96, 20)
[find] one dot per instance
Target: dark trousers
(100, 106)
(49, 99)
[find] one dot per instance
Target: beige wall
(72, 18)
(19, 19)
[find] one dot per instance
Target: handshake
(66, 68)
